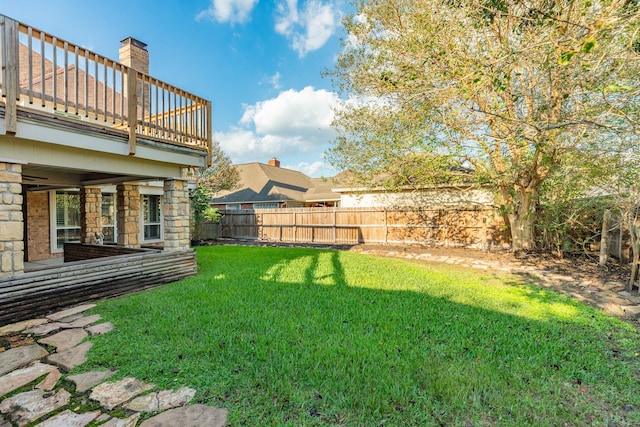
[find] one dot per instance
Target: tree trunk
(522, 220)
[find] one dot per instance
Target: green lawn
(306, 337)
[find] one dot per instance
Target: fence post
(386, 226)
(295, 227)
(335, 226)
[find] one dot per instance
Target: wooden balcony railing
(43, 72)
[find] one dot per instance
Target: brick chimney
(274, 162)
(134, 54)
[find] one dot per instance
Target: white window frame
(53, 223)
(115, 216)
(160, 223)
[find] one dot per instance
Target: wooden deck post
(10, 72)
(132, 108)
(209, 133)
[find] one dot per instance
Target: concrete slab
(189, 416)
(66, 339)
(69, 359)
(18, 357)
(69, 312)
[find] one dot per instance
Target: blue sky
(258, 61)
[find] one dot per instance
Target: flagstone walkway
(34, 357)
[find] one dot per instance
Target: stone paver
(66, 339)
(189, 416)
(111, 395)
(87, 380)
(147, 403)
(50, 381)
(68, 418)
(21, 377)
(69, 312)
(631, 310)
(69, 359)
(25, 408)
(70, 319)
(18, 357)
(101, 328)
(20, 326)
(45, 328)
(172, 399)
(162, 400)
(119, 422)
(82, 321)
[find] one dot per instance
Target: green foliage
(510, 88)
(304, 337)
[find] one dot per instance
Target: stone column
(90, 214)
(128, 205)
(11, 220)
(175, 210)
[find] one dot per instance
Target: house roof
(260, 183)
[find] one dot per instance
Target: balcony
(55, 80)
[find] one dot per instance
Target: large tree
(515, 89)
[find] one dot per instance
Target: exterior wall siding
(38, 226)
(11, 220)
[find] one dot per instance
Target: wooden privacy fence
(459, 226)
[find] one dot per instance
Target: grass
(307, 337)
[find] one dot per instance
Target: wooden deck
(42, 291)
(46, 74)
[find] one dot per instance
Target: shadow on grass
(314, 337)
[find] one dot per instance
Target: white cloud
(295, 127)
(315, 169)
(273, 81)
(309, 28)
(232, 11)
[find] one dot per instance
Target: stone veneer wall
(176, 215)
(38, 223)
(128, 204)
(11, 220)
(90, 214)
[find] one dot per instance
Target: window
(151, 217)
(109, 217)
(232, 207)
(67, 218)
(265, 205)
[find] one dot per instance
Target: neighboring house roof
(262, 183)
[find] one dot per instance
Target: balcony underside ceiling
(40, 178)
